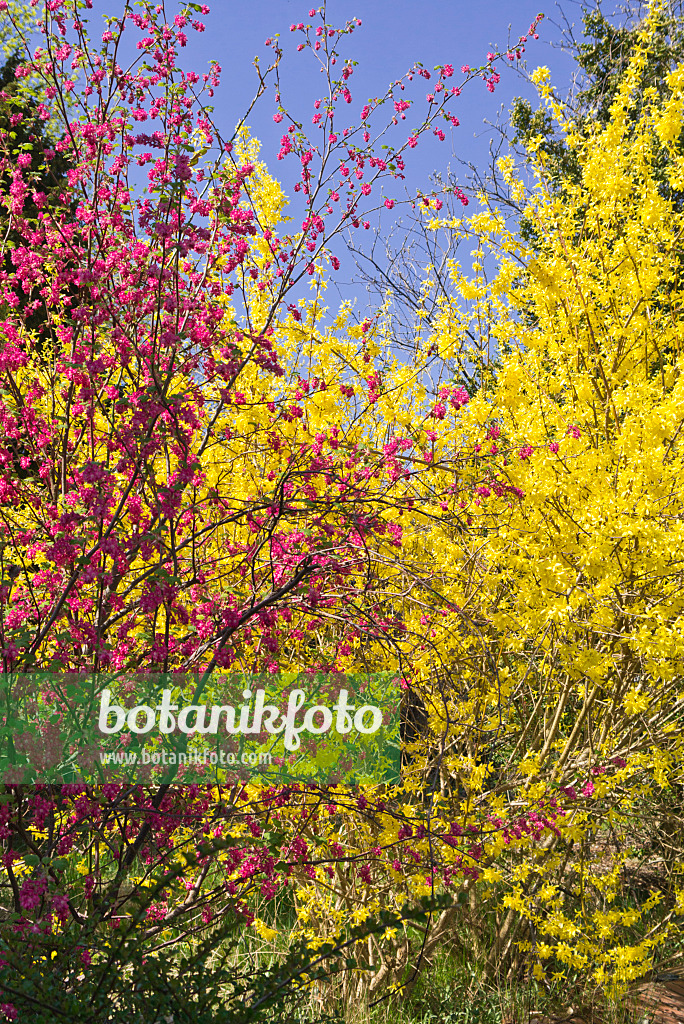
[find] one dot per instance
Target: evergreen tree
(602, 59)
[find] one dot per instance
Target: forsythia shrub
(572, 696)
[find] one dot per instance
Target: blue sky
(394, 34)
(392, 37)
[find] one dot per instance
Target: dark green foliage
(23, 131)
(605, 55)
(603, 58)
(92, 974)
